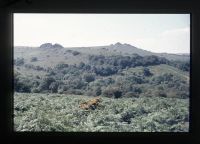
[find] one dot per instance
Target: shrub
(166, 77)
(105, 70)
(39, 68)
(61, 66)
(19, 61)
(126, 116)
(35, 90)
(183, 94)
(75, 53)
(182, 65)
(114, 92)
(53, 87)
(147, 72)
(62, 88)
(21, 84)
(89, 77)
(136, 79)
(34, 59)
(29, 66)
(81, 65)
(98, 91)
(160, 93)
(45, 83)
(94, 92)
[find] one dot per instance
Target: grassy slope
(55, 112)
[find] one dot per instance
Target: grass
(59, 112)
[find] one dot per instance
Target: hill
(140, 91)
(50, 55)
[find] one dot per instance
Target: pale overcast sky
(153, 32)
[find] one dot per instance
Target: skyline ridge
(96, 46)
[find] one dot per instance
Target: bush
(45, 83)
(61, 66)
(34, 59)
(105, 70)
(35, 90)
(81, 65)
(22, 85)
(94, 92)
(136, 79)
(160, 93)
(166, 77)
(89, 77)
(98, 91)
(126, 116)
(39, 68)
(62, 88)
(19, 61)
(29, 66)
(112, 92)
(147, 72)
(182, 65)
(75, 53)
(53, 87)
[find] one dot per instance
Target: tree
(166, 77)
(182, 65)
(19, 61)
(75, 53)
(105, 70)
(34, 59)
(21, 84)
(81, 65)
(44, 85)
(98, 91)
(89, 77)
(112, 92)
(61, 66)
(53, 87)
(147, 72)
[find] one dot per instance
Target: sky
(153, 32)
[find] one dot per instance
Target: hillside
(139, 91)
(50, 55)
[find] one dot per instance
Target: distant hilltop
(116, 48)
(120, 44)
(56, 45)
(50, 45)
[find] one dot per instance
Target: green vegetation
(19, 61)
(34, 59)
(111, 76)
(59, 112)
(138, 93)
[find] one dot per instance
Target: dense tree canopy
(107, 76)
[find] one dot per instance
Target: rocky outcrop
(49, 45)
